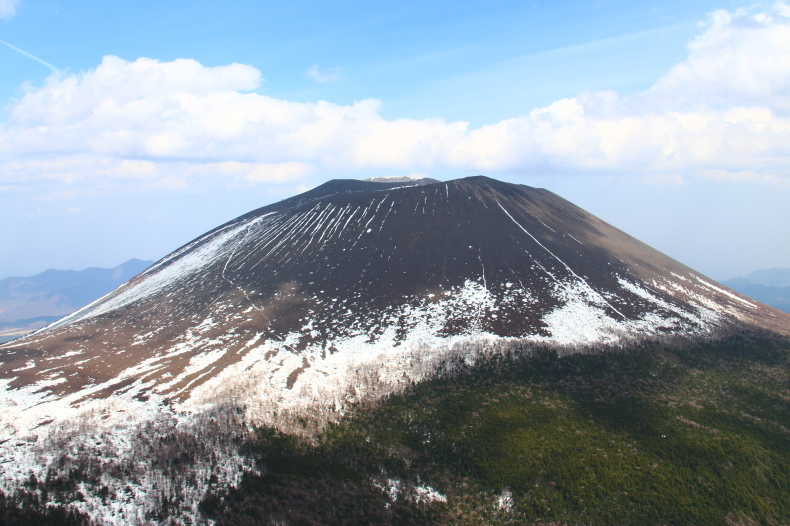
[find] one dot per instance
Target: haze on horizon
(129, 129)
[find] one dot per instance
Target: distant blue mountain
(771, 287)
(774, 277)
(28, 303)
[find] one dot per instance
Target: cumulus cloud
(740, 59)
(8, 8)
(721, 114)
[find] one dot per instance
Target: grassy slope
(660, 434)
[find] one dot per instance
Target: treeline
(152, 472)
(672, 432)
(677, 431)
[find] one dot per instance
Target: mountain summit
(353, 288)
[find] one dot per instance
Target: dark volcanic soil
(304, 279)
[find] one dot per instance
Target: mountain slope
(293, 314)
(363, 284)
(678, 432)
(669, 434)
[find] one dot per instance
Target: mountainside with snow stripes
(292, 313)
(287, 305)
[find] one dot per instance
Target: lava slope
(352, 289)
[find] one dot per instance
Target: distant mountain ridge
(29, 303)
(773, 277)
(768, 286)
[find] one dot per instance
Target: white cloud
(722, 114)
(8, 8)
(132, 168)
(330, 75)
(740, 59)
(277, 172)
(168, 183)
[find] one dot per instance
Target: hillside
(669, 433)
(298, 314)
(311, 292)
(656, 434)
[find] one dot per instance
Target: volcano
(356, 287)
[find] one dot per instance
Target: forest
(675, 431)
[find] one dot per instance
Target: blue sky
(668, 120)
(474, 61)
